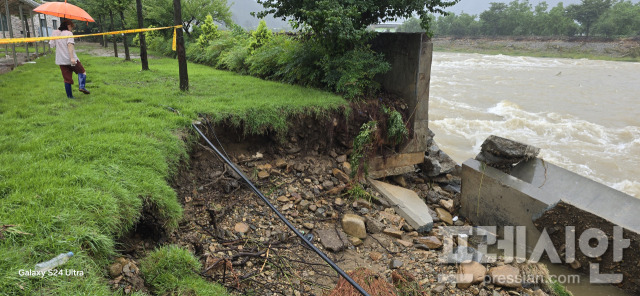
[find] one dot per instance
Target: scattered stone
(287, 207)
(115, 270)
(444, 216)
(281, 163)
(241, 227)
(447, 204)
(431, 242)
(327, 185)
(303, 205)
(283, 199)
(263, 174)
(539, 292)
(452, 188)
(439, 288)
(339, 202)
(308, 225)
(332, 240)
(313, 207)
(395, 264)
(341, 158)
(340, 175)
(469, 274)
(506, 276)
(346, 167)
(355, 241)
(361, 203)
(393, 232)
(375, 256)
(374, 226)
(575, 264)
(405, 243)
(464, 255)
(354, 225)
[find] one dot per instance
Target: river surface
(583, 114)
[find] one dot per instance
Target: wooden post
(13, 46)
(4, 35)
(33, 30)
(127, 57)
(25, 29)
(115, 42)
(182, 57)
(143, 42)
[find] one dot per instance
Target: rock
(439, 288)
(539, 292)
(374, 226)
(341, 158)
(447, 204)
(354, 225)
(469, 274)
(313, 207)
(287, 207)
(464, 255)
(308, 225)
(241, 227)
(444, 216)
(506, 276)
(361, 203)
(339, 202)
(503, 153)
(333, 153)
(393, 232)
(404, 243)
(115, 270)
(375, 256)
(263, 174)
(399, 179)
(346, 167)
(431, 166)
(355, 241)
(575, 264)
(452, 188)
(283, 199)
(327, 185)
(340, 175)
(303, 205)
(431, 242)
(332, 240)
(281, 163)
(395, 264)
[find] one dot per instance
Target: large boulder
(503, 153)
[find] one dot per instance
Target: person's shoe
(67, 88)
(82, 80)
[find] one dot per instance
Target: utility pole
(143, 42)
(182, 57)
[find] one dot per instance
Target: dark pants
(68, 70)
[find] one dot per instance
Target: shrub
(397, 131)
(209, 32)
(265, 61)
(260, 36)
(234, 58)
(300, 64)
(352, 73)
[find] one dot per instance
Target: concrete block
(409, 205)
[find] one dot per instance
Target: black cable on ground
(283, 218)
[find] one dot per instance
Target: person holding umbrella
(67, 59)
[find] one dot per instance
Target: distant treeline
(604, 18)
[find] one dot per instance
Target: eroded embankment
(306, 174)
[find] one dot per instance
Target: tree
(493, 20)
(143, 41)
(182, 57)
(560, 24)
(160, 12)
(623, 19)
(588, 12)
(410, 25)
(341, 25)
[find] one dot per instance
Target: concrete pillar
(13, 46)
(33, 30)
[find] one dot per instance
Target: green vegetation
(604, 18)
(175, 271)
(397, 131)
(76, 174)
(558, 289)
(362, 146)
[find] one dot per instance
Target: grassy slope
(75, 173)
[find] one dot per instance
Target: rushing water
(583, 114)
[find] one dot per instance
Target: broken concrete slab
(409, 205)
(396, 164)
(503, 154)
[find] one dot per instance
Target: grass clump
(362, 145)
(175, 271)
(558, 289)
(76, 174)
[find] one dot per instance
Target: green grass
(75, 174)
(558, 289)
(541, 53)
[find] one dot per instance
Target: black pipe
(273, 208)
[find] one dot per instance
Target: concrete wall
(410, 56)
(540, 195)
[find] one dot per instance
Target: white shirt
(62, 51)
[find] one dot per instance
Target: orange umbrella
(64, 10)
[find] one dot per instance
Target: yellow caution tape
(36, 39)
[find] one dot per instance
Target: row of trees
(607, 18)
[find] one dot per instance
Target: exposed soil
(244, 246)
